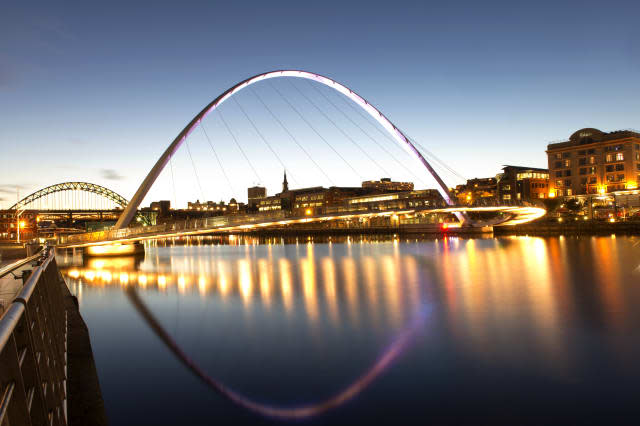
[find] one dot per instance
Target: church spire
(285, 184)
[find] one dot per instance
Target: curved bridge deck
(236, 224)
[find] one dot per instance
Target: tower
(285, 184)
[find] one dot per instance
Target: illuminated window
(506, 197)
(608, 158)
(567, 163)
(620, 156)
(592, 160)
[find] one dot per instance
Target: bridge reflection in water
(324, 312)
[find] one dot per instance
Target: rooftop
(590, 135)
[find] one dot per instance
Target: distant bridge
(83, 198)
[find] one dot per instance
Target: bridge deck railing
(33, 350)
(178, 226)
(213, 223)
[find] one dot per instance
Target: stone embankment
(571, 227)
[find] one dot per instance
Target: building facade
(387, 185)
(594, 162)
(478, 191)
(517, 184)
(255, 194)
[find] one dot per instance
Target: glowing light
(202, 284)
(244, 269)
(124, 278)
(74, 273)
(612, 220)
(142, 280)
(285, 283)
(308, 212)
(22, 224)
(552, 194)
(601, 190)
(162, 281)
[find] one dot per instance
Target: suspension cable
(386, 135)
(238, 144)
(261, 136)
(315, 131)
(434, 157)
(293, 138)
(195, 172)
(173, 182)
(338, 127)
(215, 154)
(381, 146)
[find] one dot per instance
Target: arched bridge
(121, 231)
(74, 187)
(391, 128)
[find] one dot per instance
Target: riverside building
(594, 162)
(518, 183)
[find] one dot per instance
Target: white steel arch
(129, 212)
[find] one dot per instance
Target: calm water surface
(417, 332)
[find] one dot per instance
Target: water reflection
(501, 302)
(481, 282)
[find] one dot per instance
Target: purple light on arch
(129, 212)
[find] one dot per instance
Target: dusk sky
(95, 91)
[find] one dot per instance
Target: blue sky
(95, 91)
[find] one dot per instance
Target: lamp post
(18, 225)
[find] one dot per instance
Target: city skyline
(466, 80)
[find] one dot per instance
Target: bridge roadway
(235, 224)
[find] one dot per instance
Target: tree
(551, 204)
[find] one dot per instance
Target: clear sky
(95, 91)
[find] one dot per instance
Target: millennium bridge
(36, 383)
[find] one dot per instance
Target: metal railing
(183, 225)
(33, 349)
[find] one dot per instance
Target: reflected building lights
(285, 283)
(308, 272)
(265, 273)
(329, 277)
(245, 279)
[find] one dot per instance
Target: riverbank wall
(579, 227)
(85, 403)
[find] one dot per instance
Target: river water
(356, 331)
